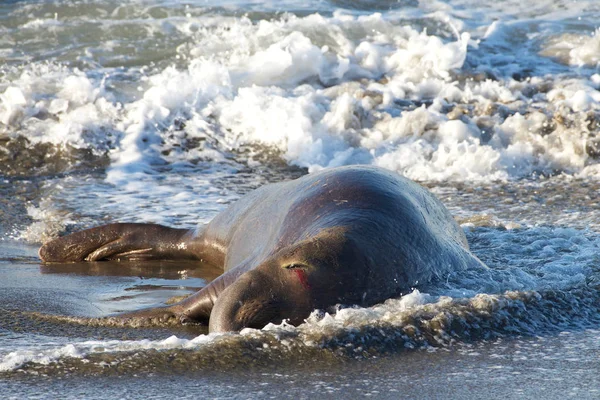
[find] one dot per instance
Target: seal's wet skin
(351, 235)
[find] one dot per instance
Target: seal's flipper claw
(117, 249)
(104, 251)
(134, 255)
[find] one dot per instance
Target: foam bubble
(16, 359)
(48, 222)
(48, 103)
(575, 49)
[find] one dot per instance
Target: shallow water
(165, 112)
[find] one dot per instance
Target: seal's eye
(295, 266)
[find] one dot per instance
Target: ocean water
(165, 111)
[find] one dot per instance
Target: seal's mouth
(235, 315)
(257, 314)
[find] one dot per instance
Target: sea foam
(366, 89)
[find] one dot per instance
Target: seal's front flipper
(119, 241)
(195, 308)
(160, 315)
(179, 312)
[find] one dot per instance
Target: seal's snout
(247, 303)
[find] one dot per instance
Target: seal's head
(315, 273)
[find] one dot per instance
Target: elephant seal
(355, 235)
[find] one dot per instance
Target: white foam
(49, 352)
(322, 100)
(13, 101)
(52, 104)
(16, 359)
(575, 49)
(255, 99)
(36, 24)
